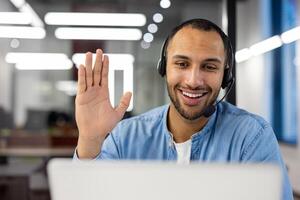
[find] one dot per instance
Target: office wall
(250, 80)
(36, 89)
(5, 71)
(23, 90)
(252, 84)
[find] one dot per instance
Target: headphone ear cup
(161, 66)
(227, 78)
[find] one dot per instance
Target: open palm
(95, 116)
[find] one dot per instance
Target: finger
(98, 67)
(104, 73)
(88, 69)
(124, 104)
(81, 80)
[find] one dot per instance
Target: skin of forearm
(88, 149)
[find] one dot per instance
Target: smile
(193, 95)
(192, 98)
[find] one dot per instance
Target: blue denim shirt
(230, 135)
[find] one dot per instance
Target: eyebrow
(213, 60)
(181, 57)
(206, 60)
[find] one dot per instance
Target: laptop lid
(124, 180)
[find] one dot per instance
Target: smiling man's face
(195, 68)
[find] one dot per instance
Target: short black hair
(204, 25)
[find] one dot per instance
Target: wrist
(88, 148)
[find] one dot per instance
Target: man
(196, 61)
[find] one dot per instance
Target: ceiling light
(15, 57)
(18, 3)
(165, 3)
(158, 18)
(15, 18)
(95, 19)
(148, 37)
(14, 43)
(242, 55)
(39, 61)
(291, 35)
(114, 59)
(145, 45)
(53, 65)
(22, 32)
(98, 33)
(266, 45)
(24, 7)
(269, 44)
(36, 21)
(152, 28)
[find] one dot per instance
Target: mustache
(198, 88)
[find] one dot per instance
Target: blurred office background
(42, 42)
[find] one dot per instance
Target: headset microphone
(209, 110)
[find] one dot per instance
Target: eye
(210, 67)
(181, 64)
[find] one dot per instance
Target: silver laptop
(124, 180)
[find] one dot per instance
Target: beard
(191, 116)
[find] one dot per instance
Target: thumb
(124, 104)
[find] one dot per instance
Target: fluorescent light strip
(24, 7)
(258, 48)
(266, 45)
(22, 32)
(15, 18)
(39, 61)
(123, 62)
(18, 3)
(36, 21)
(17, 57)
(114, 59)
(98, 33)
(242, 55)
(291, 35)
(95, 19)
(46, 65)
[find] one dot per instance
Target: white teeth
(192, 95)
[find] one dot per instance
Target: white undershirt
(183, 151)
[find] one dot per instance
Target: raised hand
(95, 116)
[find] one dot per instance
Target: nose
(194, 77)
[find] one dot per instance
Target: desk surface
(37, 152)
(16, 170)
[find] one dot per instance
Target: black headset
(228, 78)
